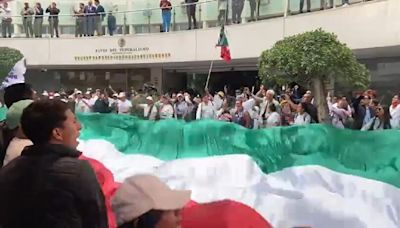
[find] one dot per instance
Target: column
(156, 76)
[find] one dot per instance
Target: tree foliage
(303, 57)
(8, 58)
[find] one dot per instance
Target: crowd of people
(264, 109)
(48, 182)
(90, 17)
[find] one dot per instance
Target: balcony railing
(145, 17)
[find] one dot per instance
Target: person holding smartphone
(38, 24)
(26, 14)
(53, 18)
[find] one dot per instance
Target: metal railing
(209, 13)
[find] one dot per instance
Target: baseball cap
(149, 98)
(142, 193)
(222, 94)
(14, 113)
(121, 94)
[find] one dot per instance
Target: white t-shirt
(146, 110)
(395, 114)
(273, 120)
(5, 13)
(205, 111)
(124, 107)
(166, 112)
(82, 106)
(93, 100)
(302, 119)
(15, 149)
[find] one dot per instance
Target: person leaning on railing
(6, 20)
(38, 24)
(222, 8)
(53, 18)
(90, 20)
(100, 14)
(166, 8)
(80, 20)
(237, 9)
(26, 14)
(111, 23)
(191, 13)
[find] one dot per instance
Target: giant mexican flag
(314, 176)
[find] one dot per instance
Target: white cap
(179, 95)
(87, 93)
(78, 92)
(115, 95)
(149, 98)
(56, 95)
(45, 93)
(142, 193)
(121, 94)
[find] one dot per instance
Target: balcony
(367, 27)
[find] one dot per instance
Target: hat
(45, 93)
(87, 93)
(115, 95)
(179, 95)
(149, 98)
(121, 94)
(141, 193)
(284, 102)
(78, 92)
(57, 95)
(13, 116)
(222, 94)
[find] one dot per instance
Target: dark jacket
(101, 12)
(53, 13)
(112, 22)
(313, 112)
(359, 113)
(47, 186)
(39, 15)
(101, 106)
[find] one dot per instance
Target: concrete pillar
(156, 77)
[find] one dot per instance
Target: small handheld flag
(223, 43)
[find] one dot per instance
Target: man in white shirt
(81, 105)
(394, 110)
(206, 109)
(6, 19)
(150, 110)
(94, 97)
(166, 109)
(219, 100)
(124, 105)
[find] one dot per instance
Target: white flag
(16, 74)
